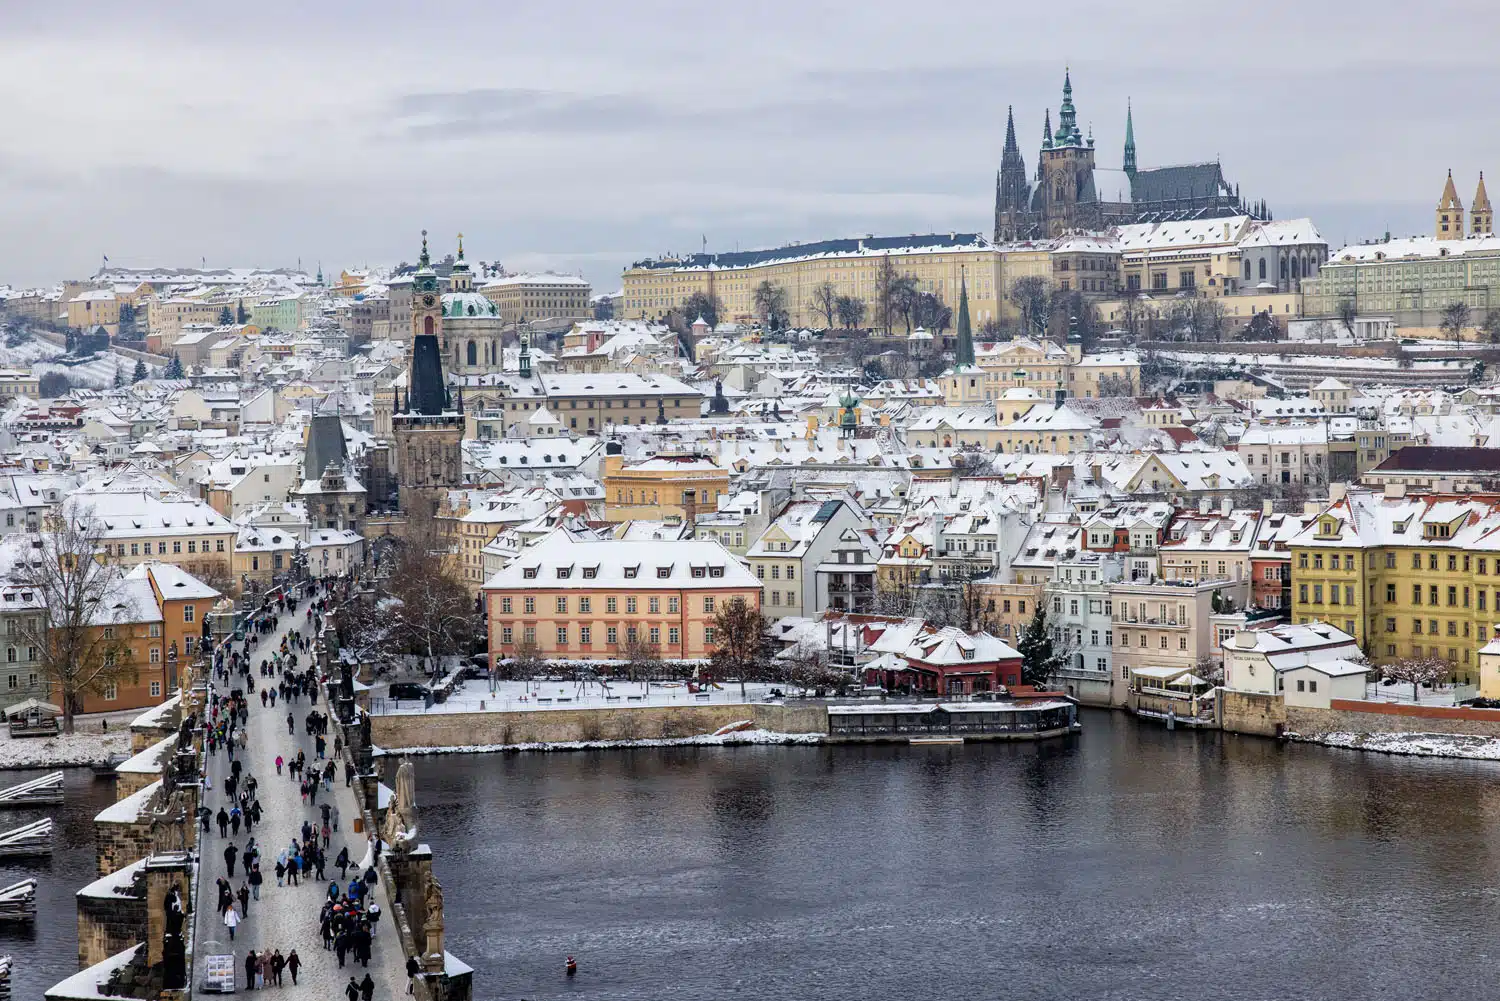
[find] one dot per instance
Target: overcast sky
(580, 136)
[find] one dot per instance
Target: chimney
(937, 533)
(1337, 492)
(1395, 490)
(1226, 507)
(1205, 505)
(1267, 508)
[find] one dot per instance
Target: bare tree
(770, 305)
(885, 280)
(1348, 312)
(527, 662)
(642, 657)
(1032, 295)
(710, 307)
(431, 606)
(739, 640)
(824, 301)
(1416, 671)
(80, 640)
(1455, 319)
(1116, 385)
(850, 310)
(904, 295)
(1489, 327)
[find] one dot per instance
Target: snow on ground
(56, 752)
(511, 696)
(1431, 745)
(27, 353)
(738, 738)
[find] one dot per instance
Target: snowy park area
(513, 696)
(84, 747)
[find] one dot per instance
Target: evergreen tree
(226, 316)
(119, 375)
(1038, 657)
(140, 371)
(241, 314)
(174, 368)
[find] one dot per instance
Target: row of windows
(611, 605)
(1436, 562)
(144, 548)
(791, 571)
(1182, 643)
(611, 635)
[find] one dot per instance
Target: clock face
(428, 300)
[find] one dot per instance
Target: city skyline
(338, 140)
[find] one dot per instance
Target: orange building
(156, 610)
(586, 600)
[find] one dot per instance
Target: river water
(1127, 862)
(49, 952)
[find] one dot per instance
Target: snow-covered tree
(1416, 671)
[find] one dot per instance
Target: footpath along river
(1127, 862)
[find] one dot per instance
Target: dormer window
(1437, 531)
(698, 572)
(716, 571)
(631, 572)
(665, 571)
(563, 573)
(589, 573)
(529, 573)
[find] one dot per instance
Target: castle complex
(1070, 194)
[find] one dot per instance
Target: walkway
(287, 917)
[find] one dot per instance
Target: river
(1126, 862)
(49, 952)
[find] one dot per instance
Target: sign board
(218, 975)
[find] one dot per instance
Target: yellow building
(97, 308)
(854, 267)
(1406, 575)
(522, 298)
(663, 487)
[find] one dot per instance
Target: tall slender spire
(1047, 130)
(964, 353)
(1067, 117)
(1130, 167)
(1011, 188)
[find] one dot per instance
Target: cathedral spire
(1130, 167)
(1047, 130)
(1067, 117)
(1450, 213)
(964, 353)
(1011, 188)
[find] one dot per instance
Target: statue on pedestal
(400, 830)
(432, 926)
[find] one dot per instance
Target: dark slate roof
(1442, 459)
(1189, 180)
(428, 394)
(325, 444)
(744, 258)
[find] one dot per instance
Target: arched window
(1296, 267)
(1247, 269)
(1262, 269)
(427, 325)
(473, 353)
(1283, 269)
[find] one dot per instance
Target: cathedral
(1070, 194)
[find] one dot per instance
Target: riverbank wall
(1270, 716)
(1351, 716)
(565, 726)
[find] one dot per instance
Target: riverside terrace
(567, 713)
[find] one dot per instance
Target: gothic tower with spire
(429, 434)
(1129, 165)
(964, 352)
(1065, 194)
(1450, 213)
(1012, 190)
(1481, 216)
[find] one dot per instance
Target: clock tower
(426, 299)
